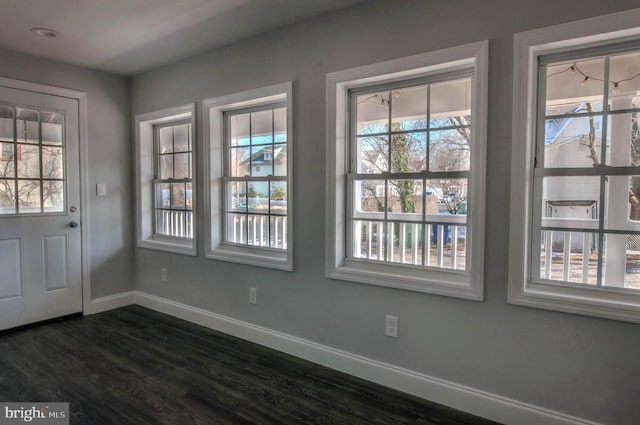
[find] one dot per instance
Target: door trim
(81, 97)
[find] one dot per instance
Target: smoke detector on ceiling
(44, 32)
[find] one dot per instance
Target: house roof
(553, 128)
(258, 158)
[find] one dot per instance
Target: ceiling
(132, 36)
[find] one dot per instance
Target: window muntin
(256, 177)
(173, 179)
(409, 171)
(32, 166)
(586, 210)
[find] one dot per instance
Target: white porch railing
(402, 243)
(258, 230)
(178, 223)
(568, 256)
(570, 253)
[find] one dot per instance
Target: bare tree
(35, 185)
(634, 188)
(448, 150)
(7, 183)
(400, 158)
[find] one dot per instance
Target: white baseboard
(471, 400)
(477, 402)
(111, 302)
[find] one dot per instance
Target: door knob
(73, 223)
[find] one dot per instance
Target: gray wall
(109, 149)
(582, 366)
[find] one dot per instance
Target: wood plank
(136, 366)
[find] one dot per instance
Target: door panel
(40, 252)
(54, 256)
(11, 266)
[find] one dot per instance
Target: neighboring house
(268, 161)
(372, 162)
(438, 194)
(567, 145)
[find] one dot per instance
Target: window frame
(269, 179)
(215, 171)
(467, 285)
(353, 174)
(528, 47)
(157, 127)
(146, 158)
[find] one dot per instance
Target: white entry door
(40, 233)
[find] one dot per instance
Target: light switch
(101, 189)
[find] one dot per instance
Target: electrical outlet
(163, 274)
(391, 326)
(253, 295)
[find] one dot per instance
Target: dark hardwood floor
(136, 366)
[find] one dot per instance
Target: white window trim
(213, 170)
(145, 173)
(528, 46)
(468, 285)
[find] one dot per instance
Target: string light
(616, 88)
(575, 69)
(384, 103)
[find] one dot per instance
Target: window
(165, 185)
(406, 142)
(32, 165)
(173, 194)
(409, 169)
(256, 181)
(249, 214)
(580, 186)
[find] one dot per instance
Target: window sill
(252, 256)
(176, 246)
(447, 283)
(598, 302)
